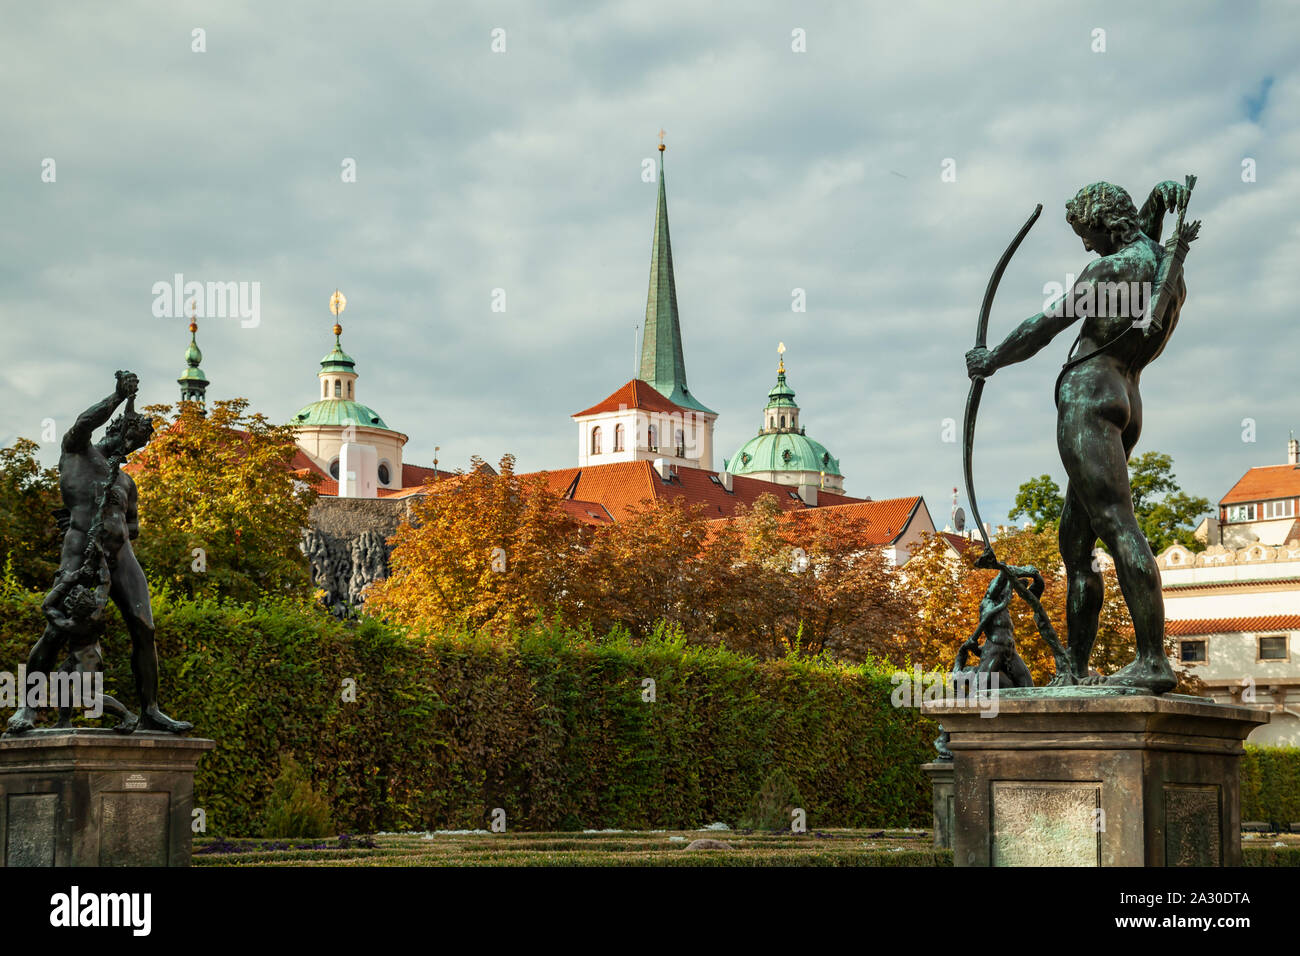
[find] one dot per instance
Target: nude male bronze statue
(1099, 410)
(99, 520)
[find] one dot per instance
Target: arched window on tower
(618, 437)
(681, 443)
(324, 389)
(595, 440)
(338, 389)
(783, 421)
(653, 438)
(349, 389)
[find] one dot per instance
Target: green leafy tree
(221, 511)
(1166, 514)
(1040, 500)
(29, 537)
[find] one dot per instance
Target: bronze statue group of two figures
(1098, 421)
(99, 520)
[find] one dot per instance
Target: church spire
(662, 364)
(193, 383)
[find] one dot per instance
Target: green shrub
(1270, 784)
(294, 809)
(773, 803)
(550, 726)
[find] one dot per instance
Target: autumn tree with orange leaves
(481, 551)
(947, 590)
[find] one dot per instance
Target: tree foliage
(1166, 514)
(481, 550)
(221, 513)
(1040, 500)
(29, 537)
(488, 550)
(948, 590)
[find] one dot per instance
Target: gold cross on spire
(780, 350)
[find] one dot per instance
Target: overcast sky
(521, 170)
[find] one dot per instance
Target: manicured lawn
(629, 848)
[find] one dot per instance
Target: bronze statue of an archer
(1099, 410)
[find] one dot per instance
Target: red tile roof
(587, 512)
(1264, 483)
(1232, 625)
(622, 486)
(960, 543)
(636, 394)
(882, 522)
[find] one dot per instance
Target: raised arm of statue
(77, 438)
(1163, 199)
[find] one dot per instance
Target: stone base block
(97, 798)
(1126, 780)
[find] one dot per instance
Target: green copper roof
(193, 382)
(782, 451)
(339, 411)
(338, 360)
(781, 395)
(662, 365)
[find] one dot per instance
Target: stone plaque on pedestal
(1061, 777)
(97, 798)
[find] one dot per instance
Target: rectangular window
(1273, 648)
(1279, 509)
(1192, 652)
(1241, 512)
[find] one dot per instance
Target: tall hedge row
(551, 728)
(1270, 784)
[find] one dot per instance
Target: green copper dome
(782, 451)
(193, 383)
(338, 360)
(341, 412)
(782, 395)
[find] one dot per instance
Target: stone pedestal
(97, 798)
(940, 774)
(1063, 778)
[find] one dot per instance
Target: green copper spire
(662, 365)
(193, 383)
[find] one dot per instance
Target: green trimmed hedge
(551, 727)
(1270, 784)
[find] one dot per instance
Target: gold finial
(194, 322)
(780, 350)
(338, 302)
(662, 147)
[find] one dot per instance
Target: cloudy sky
(521, 170)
